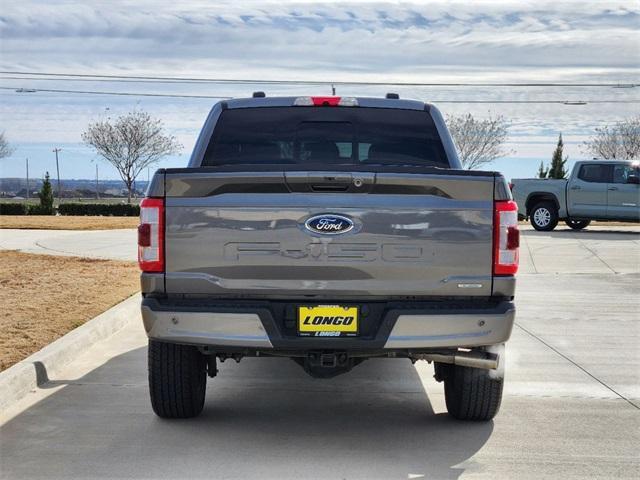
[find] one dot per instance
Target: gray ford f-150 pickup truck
(328, 230)
(596, 190)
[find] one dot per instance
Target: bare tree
(5, 149)
(131, 143)
(620, 140)
(478, 141)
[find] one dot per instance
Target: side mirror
(633, 179)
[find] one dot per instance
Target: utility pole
(27, 161)
(333, 90)
(56, 150)
(97, 191)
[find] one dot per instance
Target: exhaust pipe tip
(486, 360)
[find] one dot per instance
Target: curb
(25, 376)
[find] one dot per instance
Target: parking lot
(571, 407)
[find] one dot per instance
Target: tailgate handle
(328, 182)
(329, 188)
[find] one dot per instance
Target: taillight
(506, 238)
(151, 235)
(326, 102)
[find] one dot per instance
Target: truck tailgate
(243, 235)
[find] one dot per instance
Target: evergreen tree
(557, 169)
(46, 197)
(543, 172)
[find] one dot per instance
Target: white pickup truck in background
(603, 190)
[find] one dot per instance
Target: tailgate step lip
(398, 327)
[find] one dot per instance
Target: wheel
(471, 393)
(544, 216)
(177, 380)
(577, 224)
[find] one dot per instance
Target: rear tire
(544, 216)
(177, 380)
(470, 393)
(577, 224)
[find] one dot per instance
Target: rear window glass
(325, 135)
(596, 173)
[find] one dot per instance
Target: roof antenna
(333, 90)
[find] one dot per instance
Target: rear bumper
(205, 328)
(267, 326)
(453, 329)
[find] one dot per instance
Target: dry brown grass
(50, 222)
(45, 296)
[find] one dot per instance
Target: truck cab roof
(368, 102)
(607, 162)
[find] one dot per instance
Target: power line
(109, 80)
(169, 95)
(96, 92)
(292, 82)
(542, 102)
(99, 77)
(433, 100)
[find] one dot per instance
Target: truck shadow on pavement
(263, 418)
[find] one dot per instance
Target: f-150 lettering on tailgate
(357, 252)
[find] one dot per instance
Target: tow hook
(326, 364)
(236, 356)
(327, 360)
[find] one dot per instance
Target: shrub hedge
(104, 209)
(13, 209)
(39, 210)
(75, 209)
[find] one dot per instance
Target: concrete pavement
(594, 250)
(111, 244)
(570, 408)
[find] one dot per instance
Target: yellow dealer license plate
(328, 321)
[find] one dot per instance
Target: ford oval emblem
(329, 224)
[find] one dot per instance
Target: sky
(540, 41)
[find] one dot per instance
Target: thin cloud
(492, 41)
(349, 39)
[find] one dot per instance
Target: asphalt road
(570, 410)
